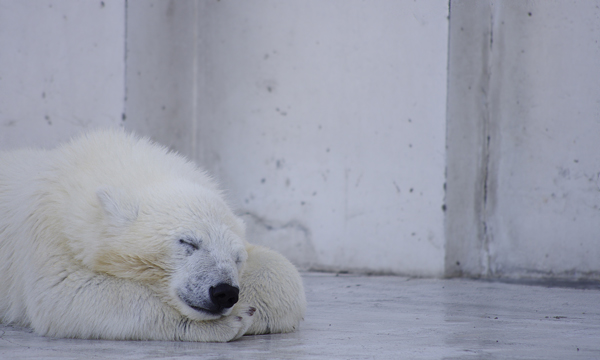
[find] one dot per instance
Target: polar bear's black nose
(224, 295)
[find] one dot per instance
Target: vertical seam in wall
(486, 231)
(194, 119)
(125, 89)
(445, 214)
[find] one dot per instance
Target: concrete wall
(162, 63)
(523, 139)
(61, 69)
(325, 120)
(467, 130)
(70, 66)
(332, 125)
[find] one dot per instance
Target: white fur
(266, 276)
(113, 237)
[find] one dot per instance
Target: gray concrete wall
(523, 141)
(71, 66)
(332, 125)
(61, 69)
(162, 60)
(325, 120)
(468, 123)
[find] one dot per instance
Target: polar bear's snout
(217, 301)
(224, 296)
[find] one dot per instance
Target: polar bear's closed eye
(190, 245)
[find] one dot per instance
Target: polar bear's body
(113, 237)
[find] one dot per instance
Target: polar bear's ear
(119, 208)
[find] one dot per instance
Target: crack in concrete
(272, 225)
(486, 234)
(291, 238)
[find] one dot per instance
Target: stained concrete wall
(467, 130)
(523, 139)
(70, 66)
(325, 120)
(61, 69)
(162, 63)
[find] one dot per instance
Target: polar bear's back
(114, 158)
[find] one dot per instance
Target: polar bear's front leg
(96, 306)
(273, 285)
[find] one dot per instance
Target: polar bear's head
(180, 240)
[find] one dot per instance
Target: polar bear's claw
(242, 319)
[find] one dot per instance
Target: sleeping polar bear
(113, 237)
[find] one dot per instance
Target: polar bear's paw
(239, 320)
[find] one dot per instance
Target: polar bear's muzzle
(222, 298)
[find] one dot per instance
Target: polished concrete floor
(362, 317)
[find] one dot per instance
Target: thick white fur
(90, 247)
(268, 272)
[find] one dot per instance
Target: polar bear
(111, 236)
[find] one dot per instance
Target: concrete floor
(361, 317)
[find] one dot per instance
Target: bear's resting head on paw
(178, 238)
